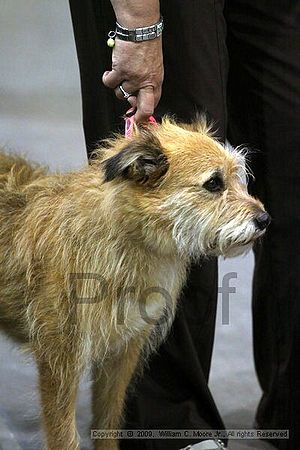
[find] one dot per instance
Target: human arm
(138, 66)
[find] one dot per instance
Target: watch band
(140, 34)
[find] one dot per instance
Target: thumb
(111, 79)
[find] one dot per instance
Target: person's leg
(264, 111)
(195, 64)
(173, 392)
(92, 20)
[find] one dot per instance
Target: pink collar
(129, 121)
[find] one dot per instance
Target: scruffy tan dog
(93, 261)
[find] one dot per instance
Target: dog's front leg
(109, 389)
(58, 387)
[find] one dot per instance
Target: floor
(40, 117)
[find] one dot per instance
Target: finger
(130, 87)
(145, 104)
(111, 79)
(157, 96)
(120, 94)
(127, 87)
(133, 101)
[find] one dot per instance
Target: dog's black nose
(262, 220)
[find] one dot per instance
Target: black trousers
(240, 62)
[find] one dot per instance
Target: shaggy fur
(91, 262)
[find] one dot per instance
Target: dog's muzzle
(262, 221)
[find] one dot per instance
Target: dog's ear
(141, 160)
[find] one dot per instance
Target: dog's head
(181, 188)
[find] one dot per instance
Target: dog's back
(15, 174)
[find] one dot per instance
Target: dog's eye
(214, 184)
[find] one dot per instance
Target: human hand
(138, 67)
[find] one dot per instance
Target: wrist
(128, 20)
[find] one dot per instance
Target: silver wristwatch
(139, 34)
